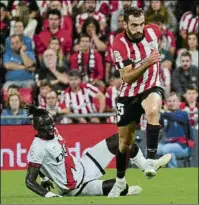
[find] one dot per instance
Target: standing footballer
(137, 58)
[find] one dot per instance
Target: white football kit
(72, 176)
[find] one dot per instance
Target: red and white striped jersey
(109, 57)
(81, 101)
(126, 53)
(82, 17)
(165, 77)
(111, 95)
(41, 101)
(66, 7)
(189, 23)
(109, 6)
(193, 115)
(56, 162)
(168, 39)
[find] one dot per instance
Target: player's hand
(52, 195)
(154, 58)
(47, 185)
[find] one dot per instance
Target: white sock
(139, 160)
(120, 180)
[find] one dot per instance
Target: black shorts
(129, 109)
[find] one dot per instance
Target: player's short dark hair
(190, 87)
(135, 11)
(185, 53)
(54, 12)
(44, 83)
(74, 73)
(13, 86)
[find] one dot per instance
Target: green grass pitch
(170, 186)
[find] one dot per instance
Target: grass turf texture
(170, 186)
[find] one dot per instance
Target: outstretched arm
(31, 183)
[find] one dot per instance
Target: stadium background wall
(16, 140)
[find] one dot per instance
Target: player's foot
(118, 188)
(163, 161)
(152, 166)
(134, 190)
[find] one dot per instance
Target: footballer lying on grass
(50, 159)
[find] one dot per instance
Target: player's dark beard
(91, 9)
(136, 38)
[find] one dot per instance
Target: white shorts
(95, 160)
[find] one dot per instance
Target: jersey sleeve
(36, 154)
(121, 53)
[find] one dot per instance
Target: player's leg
(135, 155)
(151, 105)
(103, 187)
(126, 138)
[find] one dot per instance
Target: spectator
(2, 69)
(19, 30)
(178, 135)
(185, 75)
(117, 7)
(192, 42)
(13, 4)
(158, 7)
(20, 64)
(189, 21)
(112, 93)
(168, 38)
(14, 108)
(109, 57)
(92, 29)
(42, 39)
(114, 17)
(23, 14)
(55, 45)
(165, 69)
(4, 24)
(191, 108)
(64, 6)
(44, 88)
(66, 21)
(90, 10)
(78, 96)
(13, 89)
(56, 75)
(87, 61)
(57, 110)
(165, 79)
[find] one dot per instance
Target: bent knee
(152, 111)
(124, 147)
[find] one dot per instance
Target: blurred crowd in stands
(58, 54)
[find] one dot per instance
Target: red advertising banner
(16, 140)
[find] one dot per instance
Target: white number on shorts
(120, 109)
